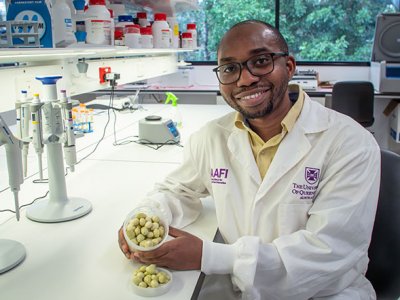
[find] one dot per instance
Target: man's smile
(252, 98)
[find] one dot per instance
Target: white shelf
(19, 55)
(167, 6)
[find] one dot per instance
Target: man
(295, 184)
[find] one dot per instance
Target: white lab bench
(80, 259)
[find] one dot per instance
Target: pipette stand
(12, 253)
(58, 207)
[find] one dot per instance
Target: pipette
(22, 109)
(69, 144)
(14, 161)
(37, 131)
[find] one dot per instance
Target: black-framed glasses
(257, 65)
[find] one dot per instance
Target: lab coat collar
(313, 119)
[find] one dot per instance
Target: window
(215, 17)
(330, 30)
(2, 10)
(316, 30)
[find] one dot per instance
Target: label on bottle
(165, 38)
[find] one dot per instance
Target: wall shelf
(21, 66)
(19, 55)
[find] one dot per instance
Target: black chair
(384, 251)
(355, 99)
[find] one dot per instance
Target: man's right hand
(123, 244)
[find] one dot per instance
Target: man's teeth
(252, 96)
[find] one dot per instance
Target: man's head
(254, 68)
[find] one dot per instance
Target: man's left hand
(182, 253)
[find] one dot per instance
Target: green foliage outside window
(316, 30)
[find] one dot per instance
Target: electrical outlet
(102, 74)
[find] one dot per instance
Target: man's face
(254, 96)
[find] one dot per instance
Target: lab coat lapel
(291, 150)
(313, 118)
(238, 144)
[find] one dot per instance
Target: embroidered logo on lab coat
(312, 175)
(307, 191)
(219, 175)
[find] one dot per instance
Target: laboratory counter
(80, 259)
(193, 94)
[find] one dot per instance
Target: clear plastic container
(174, 25)
(150, 212)
(161, 31)
(62, 27)
(98, 23)
(147, 37)
(132, 36)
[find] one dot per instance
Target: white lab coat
(302, 232)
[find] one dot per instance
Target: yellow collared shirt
(264, 152)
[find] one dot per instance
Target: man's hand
(123, 244)
(182, 253)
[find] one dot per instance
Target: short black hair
(279, 39)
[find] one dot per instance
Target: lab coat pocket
(293, 216)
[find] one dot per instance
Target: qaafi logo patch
(219, 175)
(312, 175)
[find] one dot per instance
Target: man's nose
(246, 78)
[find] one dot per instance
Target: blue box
(36, 11)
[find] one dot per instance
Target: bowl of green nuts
(151, 281)
(145, 229)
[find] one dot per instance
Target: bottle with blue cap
(175, 114)
(119, 33)
(78, 24)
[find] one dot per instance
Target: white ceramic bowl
(149, 211)
(153, 292)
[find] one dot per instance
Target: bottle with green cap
(175, 114)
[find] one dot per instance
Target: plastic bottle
(81, 117)
(90, 119)
(75, 117)
(98, 23)
(118, 9)
(175, 114)
(147, 37)
(62, 22)
(161, 31)
(187, 40)
(132, 36)
(191, 27)
(78, 19)
(123, 20)
(174, 25)
(112, 26)
(142, 19)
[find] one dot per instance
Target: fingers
(123, 245)
(154, 254)
(175, 232)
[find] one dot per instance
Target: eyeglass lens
(257, 65)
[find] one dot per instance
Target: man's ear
(291, 66)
